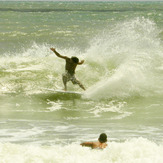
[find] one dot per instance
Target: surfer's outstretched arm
(57, 54)
(87, 144)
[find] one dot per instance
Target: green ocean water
(122, 45)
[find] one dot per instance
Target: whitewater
(122, 45)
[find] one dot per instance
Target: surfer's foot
(82, 87)
(65, 89)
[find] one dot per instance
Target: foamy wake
(138, 150)
(131, 53)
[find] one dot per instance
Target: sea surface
(122, 45)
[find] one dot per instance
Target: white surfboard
(53, 94)
(67, 92)
(64, 92)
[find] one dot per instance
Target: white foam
(55, 105)
(128, 57)
(111, 107)
(138, 150)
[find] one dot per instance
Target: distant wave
(74, 10)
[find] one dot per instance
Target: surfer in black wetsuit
(100, 144)
(70, 67)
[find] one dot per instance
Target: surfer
(70, 67)
(101, 143)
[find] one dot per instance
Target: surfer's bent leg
(75, 81)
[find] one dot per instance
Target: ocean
(122, 45)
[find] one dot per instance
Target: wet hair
(102, 138)
(75, 59)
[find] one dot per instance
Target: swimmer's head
(102, 138)
(75, 59)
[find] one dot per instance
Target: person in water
(101, 143)
(70, 67)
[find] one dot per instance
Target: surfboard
(67, 92)
(60, 94)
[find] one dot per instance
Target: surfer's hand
(53, 49)
(81, 62)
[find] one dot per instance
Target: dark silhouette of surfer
(70, 67)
